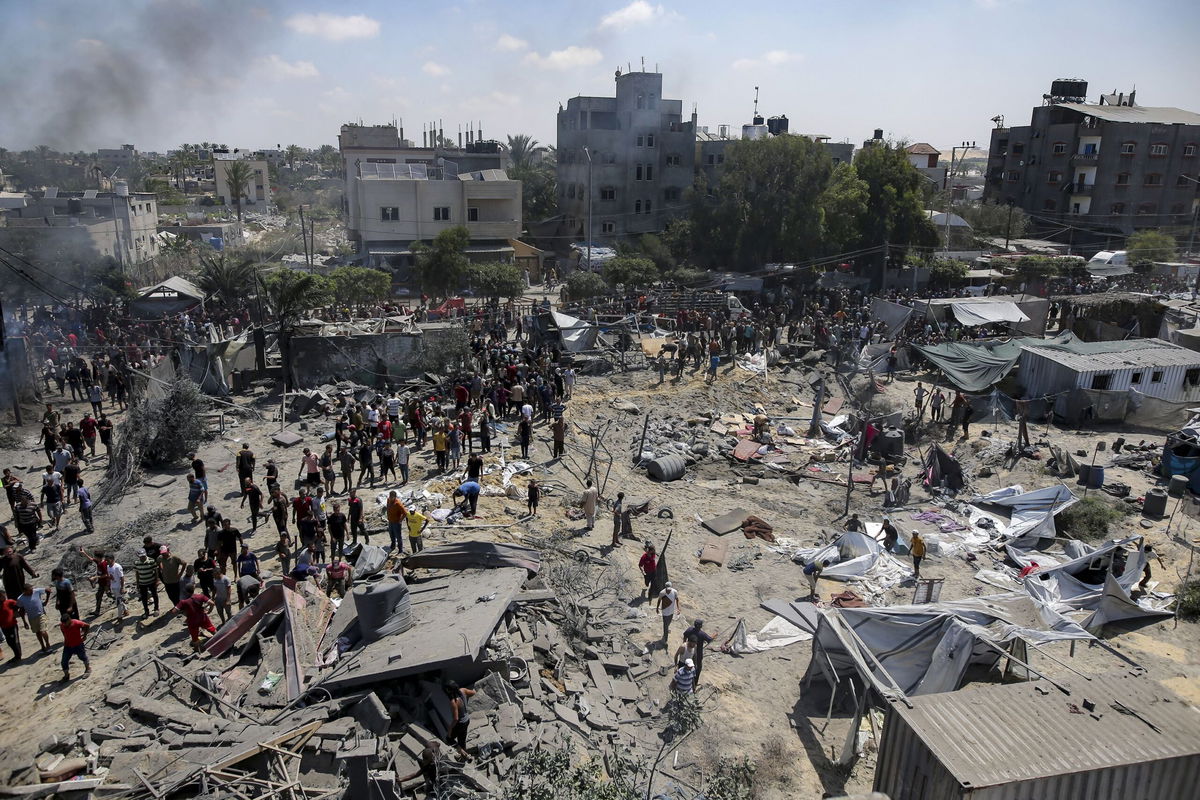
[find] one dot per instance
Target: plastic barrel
(1095, 477)
(667, 468)
(891, 444)
(1085, 474)
(1155, 504)
(1178, 486)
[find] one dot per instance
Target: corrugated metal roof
(1090, 356)
(1161, 115)
(1012, 732)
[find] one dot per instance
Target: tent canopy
(1032, 512)
(170, 289)
(577, 335)
(973, 367)
(987, 312)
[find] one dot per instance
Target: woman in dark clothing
(460, 716)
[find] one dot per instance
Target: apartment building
(1105, 168)
(397, 194)
(256, 192)
(632, 154)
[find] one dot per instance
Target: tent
(973, 367)
(894, 315)
(1084, 585)
(940, 469)
(925, 649)
(1032, 513)
(577, 335)
(171, 296)
(986, 312)
(851, 555)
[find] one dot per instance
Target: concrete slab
(287, 439)
(160, 481)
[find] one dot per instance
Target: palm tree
(521, 149)
(230, 278)
(291, 154)
(290, 294)
(237, 176)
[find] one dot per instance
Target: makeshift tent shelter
(851, 555)
(973, 367)
(994, 309)
(577, 335)
(1084, 585)
(894, 315)
(982, 312)
(171, 296)
(942, 469)
(1032, 513)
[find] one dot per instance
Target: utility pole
(1008, 227)
(862, 438)
(587, 153)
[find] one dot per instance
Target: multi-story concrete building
(1110, 167)
(257, 190)
(120, 224)
(397, 194)
(632, 154)
(119, 160)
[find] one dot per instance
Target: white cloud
(771, 58)
(276, 67)
(434, 69)
(567, 58)
(508, 43)
(639, 12)
(333, 27)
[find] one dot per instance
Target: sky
(256, 73)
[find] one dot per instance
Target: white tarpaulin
(1032, 512)
(859, 558)
(577, 335)
(987, 312)
(776, 633)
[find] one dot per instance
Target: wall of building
(367, 359)
(257, 189)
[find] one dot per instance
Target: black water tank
(879, 133)
(758, 120)
(1069, 87)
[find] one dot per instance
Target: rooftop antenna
(756, 101)
(643, 63)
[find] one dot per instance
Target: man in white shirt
(116, 585)
(402, 453)
(668, 605)
(394, 404)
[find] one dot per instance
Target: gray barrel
(891, 443)
(384, 607)
(1155, 504)
(1178, 486)
(1095, 477)
(667, 468)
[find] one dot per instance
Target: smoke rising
(119, 71)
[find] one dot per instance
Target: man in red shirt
(87, 426)
(648, 563)
(73, 631)
(195, 612)
(8, 624)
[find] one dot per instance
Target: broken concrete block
(372, 714)
(159, 481)
(286, 438)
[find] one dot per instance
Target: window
(637, 206)
(1189, 150)
(389, 214)
(720, 158)
(641, 141)
(653, 101)
(637, 172)
(1154, 179)
(711, 159)
(1049, 205)
(1122, 179)
(1191, 377)
(674, 160)
(441, 213)
(1060, 148)
(1054, 177)
(1075, 208)
(649, 172)
(650, 140)
(1137, 378)
(472, 214)
(1012, 176)
(1117, 208)
(671, 194)
(1184, 180)
(570, 191)
(1101, 382)
(641, 101)
(1156, 376)
(1128, 148)
(1177, 208)
(1018, 148)
(1158, 150)
(608, 226)
(608, 193)
(649, 205)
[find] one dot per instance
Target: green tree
(992, 219)
(522, 149)
(1037, 267)
(1145, 247)
(359, 285)
(584, 284)
(655, 249)
(497, 281)
(291, 294)
(237, 176)
(232, 279)
(769, 200)
(441, 267)
(843, 203)
(947, 271)
(630, 271)
(894, 213)
(539, 190)
(292, 153)
(677, 236)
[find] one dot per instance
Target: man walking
(73, 632)
(917, 549)
(145, 572)
(590, 497)
(668, 605)
(33, 602)
(396, 512)
(700, 637)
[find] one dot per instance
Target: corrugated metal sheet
(1159, 115)
(1153, 353)
(1024, 741)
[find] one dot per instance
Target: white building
(1150, 366)
(397, 194)
(257, 190)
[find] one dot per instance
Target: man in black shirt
(357, 526)
(201, 477)
(336, 524)
(245, 463)
(228, 540)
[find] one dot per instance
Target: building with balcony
(1106, 169)
(632, 154)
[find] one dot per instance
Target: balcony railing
(1082, 188)
(1085, 157)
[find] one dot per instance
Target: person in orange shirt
(396, 512)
